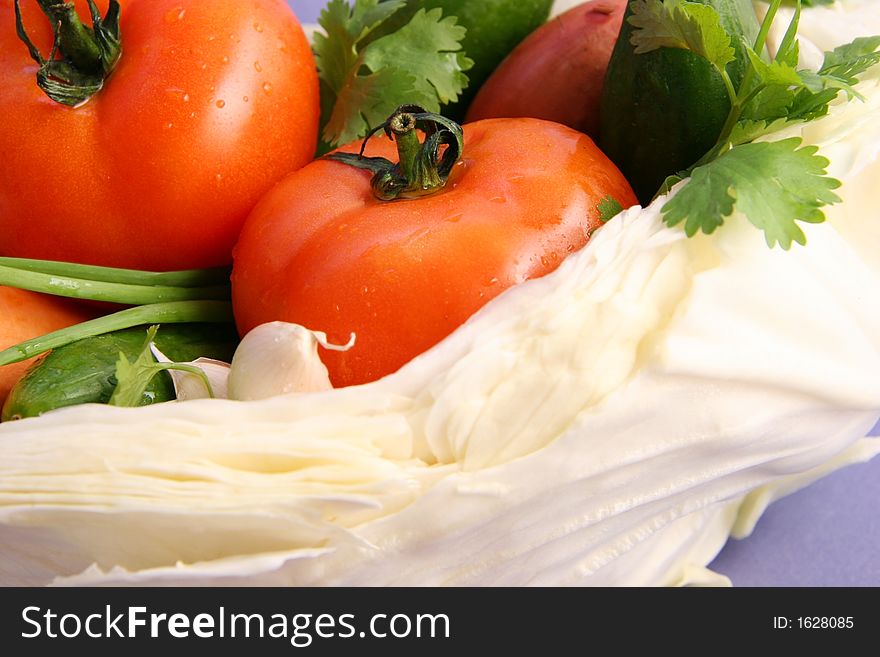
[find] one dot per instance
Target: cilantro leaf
(839, 72)
(774, 73)
(364, 81)
(844, 64)
(406, 49)
(774, 184)
(335, 52)
(134, 377)
(366, 101)
(788, 51)
(683, 25)
(747, 130)
(609, 207)
(774, 84)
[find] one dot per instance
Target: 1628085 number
(825, 622)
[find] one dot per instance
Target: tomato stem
(424, 167)
(87, 54)
(403, 127)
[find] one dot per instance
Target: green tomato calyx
(82, 57)
(424, 167)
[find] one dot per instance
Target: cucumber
(663, 110)
(494, 28)
(84, 372)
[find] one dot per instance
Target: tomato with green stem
(335, 248)
(170, 119)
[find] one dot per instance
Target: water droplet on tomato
(169, 125)
(175, 15)
(225, 59)
(258, 67)
(221, 103)
(258, 27)
(245, 98)
(218, 177)
(498, 199)
(185, 98)
(267, 88)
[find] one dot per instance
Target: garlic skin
(277, 358)
(188, 386)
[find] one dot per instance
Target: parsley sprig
(774, 184)
(364, 79)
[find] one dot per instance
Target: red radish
(557, 73)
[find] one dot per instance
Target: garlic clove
(189, 386)
(278, 358)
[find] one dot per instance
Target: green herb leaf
(788, 51)
(774, 73)
(774, 184)
(132, 378)
(683, 25)
(748, 130)
(608, 208)
(844, 64)
(367, 100)
(439, 75)
(364, 82)
(839, 72)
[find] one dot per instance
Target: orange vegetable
(25, 315)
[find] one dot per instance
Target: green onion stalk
(197, 295)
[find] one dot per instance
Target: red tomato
(319, 250)
(558, 71)
(210, 105)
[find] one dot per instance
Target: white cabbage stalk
(610, 423)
